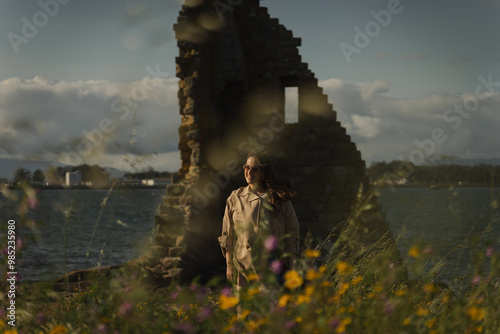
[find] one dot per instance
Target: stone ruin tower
(234, 65)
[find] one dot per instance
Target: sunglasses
(253, 169)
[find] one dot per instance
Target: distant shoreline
(57, 187)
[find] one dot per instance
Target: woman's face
(253, 174)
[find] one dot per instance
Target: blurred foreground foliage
(348, 287)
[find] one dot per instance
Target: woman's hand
(230, 267)
(230, 272)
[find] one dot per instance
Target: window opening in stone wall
(291, 104)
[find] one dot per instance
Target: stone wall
(233, 71)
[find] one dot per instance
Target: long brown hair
(278, 190)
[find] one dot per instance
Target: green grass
(353, 288)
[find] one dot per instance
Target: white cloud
(91, 119)
(384, 127)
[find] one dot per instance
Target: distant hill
(473, 162)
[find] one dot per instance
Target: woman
(259, 224)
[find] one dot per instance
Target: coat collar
(247, 192)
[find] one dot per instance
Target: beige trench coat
(240, 226)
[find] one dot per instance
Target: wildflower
(244, 314)
(407, 321)
(255, 324)
(253, 277)
(430, 323)
(344, 268)
(335, 323)
(283, 300)
(289, 324)
(253, 291)
(40, 317)
(312, 275)
(271, 243)
(356, 280)
(422, 312)
(124, 308)
(10, 331)
(293, 279)
(227, 301)
(414, 252)
(312, 253)
(306, 297)
(343, 288)
(343, 324)
(489, 251)
(479, 329)
(429, 288)
(401, 292)
(276, 266)
(476, 280)
(476, 313)
(203, 314)
(389, 308)
(59, 329)
(226, 291)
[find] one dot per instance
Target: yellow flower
(430, 323)
(253, 277)
(312, 275)
(343, 288)
(344, 268)
(312, 253)
(356, 280)
(10, 331)
(301, 299)
(284, 300)
(293, 279)
(401, 292)
(407, 321)
(476, 313)
(244, 314)
(429, 288)
(253, 291)
(228, 302)
(343, 324)
(479, 329)
(422, 312)
(59, 329)
(414, 252)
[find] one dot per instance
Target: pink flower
(476, 280)
(125, 308)
(32, 203)
(271, 243)
(204, 314)
(277, 266)
(389, 308)
(489, 251)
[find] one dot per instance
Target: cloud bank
(132, 126)
(89, 121)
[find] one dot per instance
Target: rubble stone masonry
(234, 64)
